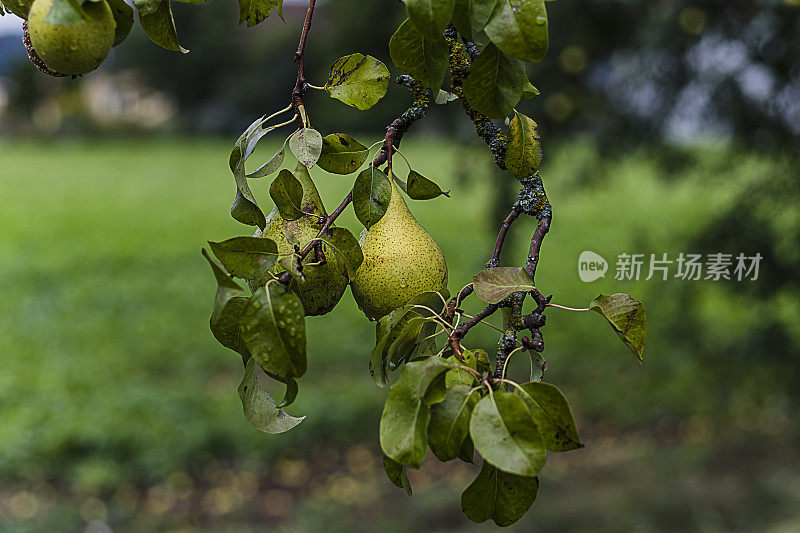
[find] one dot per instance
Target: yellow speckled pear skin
(401, 260)
(73, 48)
(324, 284)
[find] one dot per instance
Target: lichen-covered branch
(531, 200)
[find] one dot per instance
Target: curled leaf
(418, 187)
(396, 474)
(259, 407)
(246, 257)
(287, 193)
(306, 145)
(628, 318)
(498, 495)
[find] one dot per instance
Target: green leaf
(272, 164)
(505, 434)
(425, 59)
(401, 347)
(229, 305)
(467, 451)
(436, 391)
(395, 340)
(273, 328)
(498, 495)
(396, 474)
(371, 194)
(495, 284)
(123, 16)
(246, 257)
(443, 97)
(291, 393)
(494, 84)
(528, 90)
(225, 325)
(552, 414)
(404, 421)
(347, 247)
(255, 11)
(290, 264)
(430, 17)
(19, 8)
(628, 318)
(418, 187)
(449, 424)
(519, 28)
(524, 148)
(482, 363)
(306, 145)
(259, 408)
(245, 208)
(287, 193)
(538, 365)
(470, 17)
(458, 376)
(155, 16)
(342, 154)
(358, 80)
(398, 334)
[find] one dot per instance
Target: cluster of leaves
(453, 404)
(506, 34)
(266, 328)
(446, 399)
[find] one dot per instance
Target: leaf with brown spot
(628, 318)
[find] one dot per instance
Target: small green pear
(72, 48)
(324, 284)
(401, 260)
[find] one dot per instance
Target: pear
(401, 260)
(72, 48)
(324, 284)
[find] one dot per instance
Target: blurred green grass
(112, 387)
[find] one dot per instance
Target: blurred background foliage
(668, 127)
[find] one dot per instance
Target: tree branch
(501, 237)
(400, 125)
(299, 58)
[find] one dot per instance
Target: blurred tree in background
(617, 69)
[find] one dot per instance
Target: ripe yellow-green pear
(72, 48)
(401, 260)
(324, 284)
